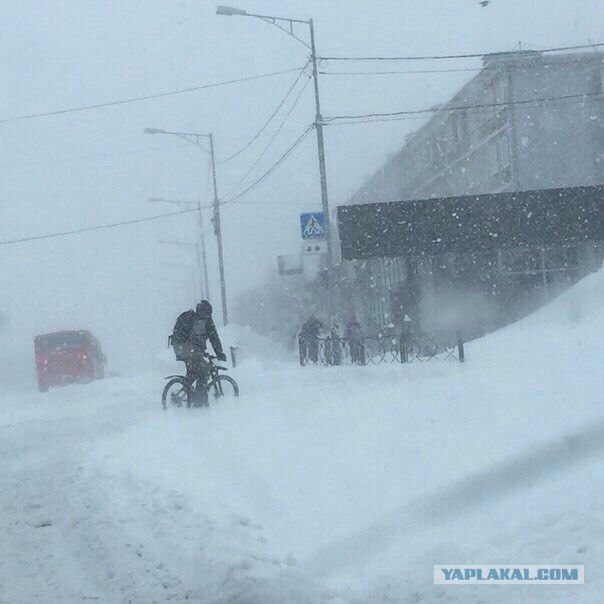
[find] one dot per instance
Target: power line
(147, 97)
(273, 137)
(485, 68)
(111, 225)
(95, 156)
(458, 56)
(273, 203)
(99, 227)
(378, 120)
(328, 120)
(269, 120)
(272, 168)
(404, 71)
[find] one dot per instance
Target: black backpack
(182, 327)
(180, 333)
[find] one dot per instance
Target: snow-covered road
(318, 485)
(61, 539)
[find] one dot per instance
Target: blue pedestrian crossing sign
(312, 225)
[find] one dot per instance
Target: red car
(67, 357)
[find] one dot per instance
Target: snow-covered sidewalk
(318, 484)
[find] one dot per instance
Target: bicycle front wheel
(177, 393)
(223, 386)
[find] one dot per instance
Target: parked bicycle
(180, 392)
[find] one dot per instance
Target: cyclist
(192, 330)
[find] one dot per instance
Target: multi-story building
(527, 121)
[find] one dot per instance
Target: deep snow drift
(320, 484)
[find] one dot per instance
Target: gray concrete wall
(548, 145)
(558, 143)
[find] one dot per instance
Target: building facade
(527, 121)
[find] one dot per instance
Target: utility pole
(321, 149)
(204, 282)
(194, 138)
(229, 11)
(218, 233)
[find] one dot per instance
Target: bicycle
(179, 392)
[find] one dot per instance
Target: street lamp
(229, 11)
(181, 202)
(195, 138)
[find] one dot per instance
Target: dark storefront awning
(472, 223)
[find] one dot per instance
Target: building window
(492, 152)
(503, 151)
(498, 92)
(596, 85)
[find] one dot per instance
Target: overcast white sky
(81, 169)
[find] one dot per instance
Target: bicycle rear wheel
(177, 393)
(223, 386)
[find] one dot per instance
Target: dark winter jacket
(311, 328)
(191, 328)
(352, 330)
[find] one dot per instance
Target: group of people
(333, 343)
(194, 328)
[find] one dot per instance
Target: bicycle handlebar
(211, 357)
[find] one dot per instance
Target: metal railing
(376, 350)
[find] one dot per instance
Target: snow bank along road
(318, 485)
